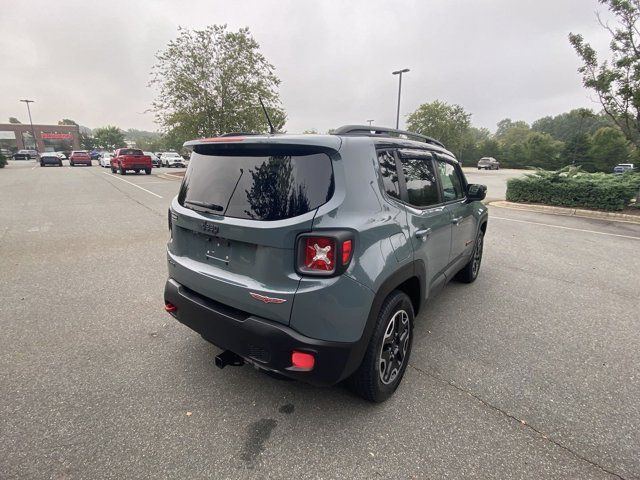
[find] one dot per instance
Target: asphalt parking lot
(532, 372)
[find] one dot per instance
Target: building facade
(48, 138)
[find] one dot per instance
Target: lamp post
(370, 122)
(35, 142)
(399, 72)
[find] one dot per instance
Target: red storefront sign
(56, 136)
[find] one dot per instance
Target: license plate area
(215, 249)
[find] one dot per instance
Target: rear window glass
(130, 151)
(260, 185)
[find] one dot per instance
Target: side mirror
(476, 192)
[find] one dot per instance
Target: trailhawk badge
(264, 299)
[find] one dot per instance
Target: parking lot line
(565, 228)
(131, 183)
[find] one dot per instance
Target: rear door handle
(456, 220)
(423, 234)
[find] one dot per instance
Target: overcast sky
(90, 60)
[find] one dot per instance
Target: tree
(507, 124)
(66, 121)
(542, 150)
(87, 142)
(210, 82)
(609, 147)
(109, 137)
(576, 150)
(569, 124)
(14, 120)
(490, 148)
(447, 123)
(616, 81)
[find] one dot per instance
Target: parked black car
(50, 158)
(25, 155)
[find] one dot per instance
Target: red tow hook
(170, 307)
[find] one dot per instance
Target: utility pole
(35, 142)
(399, 72)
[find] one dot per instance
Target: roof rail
(372, 131)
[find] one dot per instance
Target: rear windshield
(130, 151)
(258, 185)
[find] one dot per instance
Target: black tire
(136, 170)
(147, 171)
(113, 170)
(122, 171)
(470, 271)
(42, 164)
(71, 164)
(387, 355)
(479, 168)
(60, 163)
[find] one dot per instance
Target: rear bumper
(262, 342)
(136, 166)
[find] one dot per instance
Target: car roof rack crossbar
(372, 131)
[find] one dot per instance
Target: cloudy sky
(90, 60)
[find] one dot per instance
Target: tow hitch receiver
(229, 358)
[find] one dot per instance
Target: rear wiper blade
(209, 206)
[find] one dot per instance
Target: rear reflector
(170, 307)
(302, 360)
(346, 252)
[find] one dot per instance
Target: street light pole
(370, 122)
(399, 72)
(35, 142)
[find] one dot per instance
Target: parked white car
(172, 159)
(105, 159)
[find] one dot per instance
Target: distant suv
(25, 155)
(172, 159)
(488, 163)
(310, 255)
(79, 157)
(623, 167)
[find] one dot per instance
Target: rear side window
(130, 151)
(451, 181)
(258, 184)
(422, 188)
(389, 173)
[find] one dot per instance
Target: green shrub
(571, 187)
(3, 160)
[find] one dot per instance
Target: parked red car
(79, 157)
(130, 159)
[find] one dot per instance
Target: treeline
(580, 137)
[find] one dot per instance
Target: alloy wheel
(393, 351)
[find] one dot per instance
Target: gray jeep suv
(311, 255)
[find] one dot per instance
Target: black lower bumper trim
(264, 343)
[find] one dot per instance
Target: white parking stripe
(131, 183)
(492, 217)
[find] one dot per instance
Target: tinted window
(389, 173)
(422, 189)
(261, 186)
(130, 151)
(451, 181)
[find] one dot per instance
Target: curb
(570, 212)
